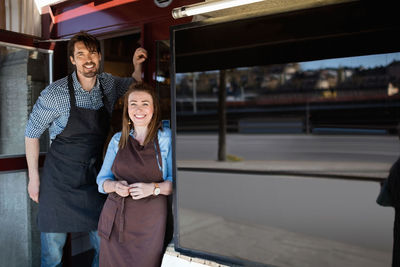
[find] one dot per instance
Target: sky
(365, 61)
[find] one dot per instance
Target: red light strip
(87, 9)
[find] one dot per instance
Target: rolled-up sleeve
(165, 142)
(105, 172)
(169, 163)
(44, 112)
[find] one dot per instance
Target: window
(306, 144)
(24, 73)
(312, 112)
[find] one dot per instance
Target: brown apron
(132, 231)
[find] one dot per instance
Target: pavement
(270, 245)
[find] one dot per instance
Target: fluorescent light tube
(205, 7)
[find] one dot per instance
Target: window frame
(351, 29)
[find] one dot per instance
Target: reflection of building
(328, 78)
(296, 93)
(393, 71)
(285, 78)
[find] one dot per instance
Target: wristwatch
(156, 190)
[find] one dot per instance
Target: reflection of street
(285, 220)
(354, 148)
(369, 156)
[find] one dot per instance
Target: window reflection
(347, 95)
(307, 145)
(23, 75)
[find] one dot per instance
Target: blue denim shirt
(164, 140)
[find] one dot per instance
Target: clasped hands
(135, 190)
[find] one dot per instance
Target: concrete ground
(272, 245)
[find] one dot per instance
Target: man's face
(87, 62)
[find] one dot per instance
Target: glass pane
(163, 80)
(18, 232)
(23, 75)
(284, 220)
(318, 137)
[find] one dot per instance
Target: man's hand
(33, 188)
(139, 57)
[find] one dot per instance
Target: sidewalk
(175, 259)
(265, 244)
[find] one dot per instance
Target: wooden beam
(17, 163)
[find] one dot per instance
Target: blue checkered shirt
(51, 110)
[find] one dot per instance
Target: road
(382, 149)
(287, 220)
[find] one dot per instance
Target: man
(76, 109)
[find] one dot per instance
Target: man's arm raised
(139, 57)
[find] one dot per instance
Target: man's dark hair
(91, 42)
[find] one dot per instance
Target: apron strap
(121, 221)
(158, 152)
(71, 90)
(104, 98)
(72, 98)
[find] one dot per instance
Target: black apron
(68, 198)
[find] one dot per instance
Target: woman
(137, 176)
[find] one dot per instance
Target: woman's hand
(119, 187)
(122, 188)
(141, 190)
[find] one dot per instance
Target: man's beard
(91, 73)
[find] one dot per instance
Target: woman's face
(140, 108)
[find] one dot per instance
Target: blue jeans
(52, 248)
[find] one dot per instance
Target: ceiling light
(208, 6)
(42, 3)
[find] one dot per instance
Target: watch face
(157, 191)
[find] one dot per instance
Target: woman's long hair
(154, 125)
